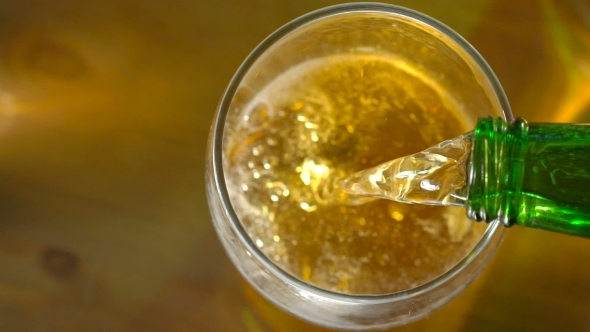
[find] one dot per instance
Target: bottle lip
(216, 143)
(477, 168)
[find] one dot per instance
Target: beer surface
(326, 119)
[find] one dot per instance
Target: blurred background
(105, 107)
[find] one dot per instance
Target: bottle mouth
(485, 199)
(491, 169)
(217, 151)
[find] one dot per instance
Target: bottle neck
(494, 171)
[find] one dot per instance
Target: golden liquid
(328, 118)
(435, 176)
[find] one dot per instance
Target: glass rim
(217, 148)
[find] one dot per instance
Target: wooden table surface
(105, 108)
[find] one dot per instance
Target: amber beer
(325, 119)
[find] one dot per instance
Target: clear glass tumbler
(368, 28)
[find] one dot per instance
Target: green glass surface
(535, 175)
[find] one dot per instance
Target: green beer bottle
(530, 174)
